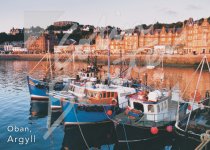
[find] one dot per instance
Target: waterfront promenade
(187, 60)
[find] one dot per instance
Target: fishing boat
(91, 103)
(192, 128)
(150, 66)
(38, 89)
(149, 116)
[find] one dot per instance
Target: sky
(121, 13)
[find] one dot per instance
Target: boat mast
(162, 62)
(49, 57)
(108, 61)
(196, 89)
(121, 65)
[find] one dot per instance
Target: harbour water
(24, 122)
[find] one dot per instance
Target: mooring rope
(81, 130)
(196, 89)
(37, 64)
(205, 139)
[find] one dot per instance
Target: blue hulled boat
(77, 113)
(80, 110)
(38, 89)
(86, 103)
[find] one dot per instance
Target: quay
(187, 60)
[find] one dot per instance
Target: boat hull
(38, 89)
(127, 133)
(55, 102)
(187, 140)
(75, 113)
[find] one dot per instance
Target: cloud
(193, 7)
(168, 11)
(171, 12)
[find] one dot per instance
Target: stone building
(39, 44)
(15, 31)
(124, 43)
(62, 23)
(192, 37)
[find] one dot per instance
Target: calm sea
(22, 119)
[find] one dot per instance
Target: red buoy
(109, 112)
(169, 128)
(154, 130)
(189, 107)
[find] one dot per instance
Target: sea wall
(168, 60)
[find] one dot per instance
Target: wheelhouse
(153, 108)
(106, 97)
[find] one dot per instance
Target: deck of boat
(142, 121)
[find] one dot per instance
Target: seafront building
(193, 37)
(39, 44)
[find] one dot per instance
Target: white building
(63, 48)
(8, 47)
(19, 49)
(163, 49)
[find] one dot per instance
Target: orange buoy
(34, 113)
(109, 112)
(154, 130)
(169, 128)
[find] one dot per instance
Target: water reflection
(101, 136)
(14, 96)
(158, 77)
(38, 109)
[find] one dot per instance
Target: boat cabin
(86, 75)
(104, 97)
(153, 105)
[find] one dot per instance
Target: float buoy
(154, 130)
(109, 112)
(169, 128)
(189, 107)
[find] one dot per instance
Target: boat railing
(159, 119)
(123, 104)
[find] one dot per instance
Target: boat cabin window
(72, 89)
(87, 75)
(138, 106)
(104, 95)
(151, 108)
(92, 94)
(158, 108)
(165, 105)
(112, 94)
(108, 94)
(161, 106)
